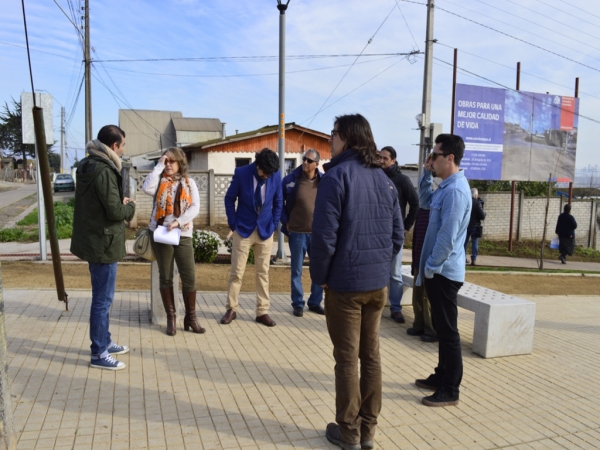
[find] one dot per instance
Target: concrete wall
(528, 219)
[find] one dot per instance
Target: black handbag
(478, 231)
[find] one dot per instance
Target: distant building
(223, 155)
(149, 132)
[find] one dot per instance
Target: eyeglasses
(334, 132)
(434, 155)
(170, 161)
(308, 160)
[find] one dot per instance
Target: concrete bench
(503, 323)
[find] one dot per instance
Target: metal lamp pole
(282, 8)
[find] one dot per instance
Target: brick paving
(246, 386)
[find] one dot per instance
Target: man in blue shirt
(442, 267)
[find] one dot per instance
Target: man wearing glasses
(442, 268)
(299, 195)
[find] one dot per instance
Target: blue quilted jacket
(357, 226)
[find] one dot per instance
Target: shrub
(11, 234)
(206, 245)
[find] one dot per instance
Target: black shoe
(441, 398)
(413, 332)
(473, 262)
(317, 309)
(429, 338)
(398, 317)
(333, 435)
(429, 383)
(367, 445)
(298, 312)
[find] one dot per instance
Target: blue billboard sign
(515, 135)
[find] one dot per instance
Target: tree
(11, 136)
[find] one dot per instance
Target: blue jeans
(474, 242)
(396, 290)
(104, 280)
(299, 247)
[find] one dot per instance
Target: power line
(580, 9)
(245, 75)
(518, 39)
(551, 18)
(409, 30)
(257, 58)
(512, 68)
(35, 50)
(349, 69)
(534, 23)
(67, 16)
(567, 13)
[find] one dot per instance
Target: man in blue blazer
(257, 190)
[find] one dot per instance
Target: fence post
(7, 430)
(212, 188)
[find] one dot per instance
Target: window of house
(290, 165)
(241, 162)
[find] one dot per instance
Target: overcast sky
(555, 41)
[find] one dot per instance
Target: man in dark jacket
(253, 204)
(565, 228)
(474, 227)
(99, 234)
(356, 231)
(407, 194)
(299, 194)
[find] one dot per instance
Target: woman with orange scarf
(176, 204)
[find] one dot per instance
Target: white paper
(163, 236)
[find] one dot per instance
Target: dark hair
(110, 134)
(317, 157)
(567, 208)
(452, 144)
(178, 155)
(356, 131)
(390, 150)
(267, 160)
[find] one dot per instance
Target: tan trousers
(239, 256)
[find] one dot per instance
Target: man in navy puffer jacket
(357, 229)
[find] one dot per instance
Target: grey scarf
(97, 148)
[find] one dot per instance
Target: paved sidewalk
(12, 251)
(246, 386)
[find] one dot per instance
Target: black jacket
(566, 225)
(407, 194)
(477, 213)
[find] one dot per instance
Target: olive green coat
(98, 228)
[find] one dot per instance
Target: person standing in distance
(299, 195)
(257, 190)
(474, 227)
(565, 228)
(99, 234)
(442, 268)
(356, 231)
(407, 195)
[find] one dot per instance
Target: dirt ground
(213, 277)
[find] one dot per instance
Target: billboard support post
(571, 182)
(453, 88)
(513, 184)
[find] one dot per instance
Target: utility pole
(62, 139)
(424, 119)
(88, 76)
(282, 8)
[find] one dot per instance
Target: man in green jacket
(99, 234)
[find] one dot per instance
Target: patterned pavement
(246, 386)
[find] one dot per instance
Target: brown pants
(262, 258)
(353, 321)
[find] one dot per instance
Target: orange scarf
(164, 199)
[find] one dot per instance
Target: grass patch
(27, 230)
(531, 249)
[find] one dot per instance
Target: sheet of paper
(163, 236)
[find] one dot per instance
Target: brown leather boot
(190, 321)
(169, 303)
